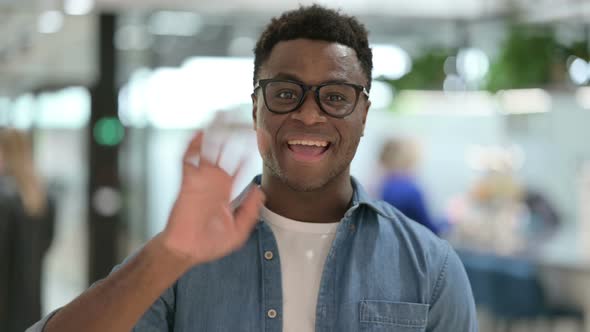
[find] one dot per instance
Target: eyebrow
(293, 77)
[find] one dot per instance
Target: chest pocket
(393, 316)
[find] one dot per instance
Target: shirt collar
(359, 196)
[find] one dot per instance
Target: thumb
(246, 215)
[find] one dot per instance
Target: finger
(220, 153)
(207, 158)
(246, 216)
(194, 146)
(240, 168)
(191, 156)
(227, 219)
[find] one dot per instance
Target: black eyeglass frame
(306, 88)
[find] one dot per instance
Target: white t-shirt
(303, 248)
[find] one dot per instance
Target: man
(323, 256)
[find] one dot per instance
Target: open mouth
(308, 150)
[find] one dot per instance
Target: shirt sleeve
(40, 325)
(452, 307)
(158, 318)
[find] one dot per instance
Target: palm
(202, 226)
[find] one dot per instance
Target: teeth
(309, 143)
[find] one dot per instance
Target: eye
(286, 94)
(335, 98)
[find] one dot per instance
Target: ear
(254, 109)
(365, 113)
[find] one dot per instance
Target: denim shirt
(383, 272)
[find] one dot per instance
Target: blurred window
(67, 108)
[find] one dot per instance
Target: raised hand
(202, 226)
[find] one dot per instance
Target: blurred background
(481, 106)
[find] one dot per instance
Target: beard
(307, 185)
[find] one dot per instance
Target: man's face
(292, 144)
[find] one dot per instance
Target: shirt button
(268, 255)
(271, 313)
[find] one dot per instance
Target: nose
(309, 112)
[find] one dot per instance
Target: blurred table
(560, 265)
(564, 270)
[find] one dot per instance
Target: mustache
(314, 130)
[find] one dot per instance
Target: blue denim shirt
(384, 272)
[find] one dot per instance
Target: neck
(326, 204)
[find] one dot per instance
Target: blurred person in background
(543, 218)
(400, 188)
(491, 216)
(501, 214)
(318, 254)
(27, 220)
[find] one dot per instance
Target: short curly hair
(317, 23)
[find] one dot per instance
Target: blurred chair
(519, 292)
(479, 269)
(510, 289)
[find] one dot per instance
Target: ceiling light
(78, 7)
(50, 21)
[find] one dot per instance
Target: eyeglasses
(335, 99)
